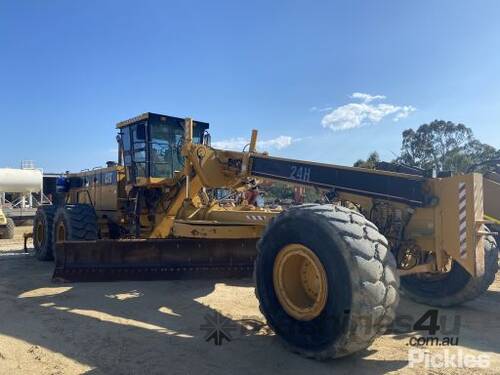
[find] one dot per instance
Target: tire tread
(375, 284)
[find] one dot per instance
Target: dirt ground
(156, 328)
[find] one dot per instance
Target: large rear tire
(325, 280)
(456, 286)
(43, 226)
(74, 222)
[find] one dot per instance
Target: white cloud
(367, 98)
(354, 115)
(404, 112)
(231, 144)
(317, 109)
(278, 143)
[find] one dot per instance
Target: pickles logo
(447, 359)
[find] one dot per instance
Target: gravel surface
(160, 328)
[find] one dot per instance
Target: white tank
(20, 180)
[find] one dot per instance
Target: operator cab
(150, 146)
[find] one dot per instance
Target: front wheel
(74, 222)
(43, 226)
(325, 280)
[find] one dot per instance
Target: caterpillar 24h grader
(327, 275)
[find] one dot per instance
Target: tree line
(441, 146)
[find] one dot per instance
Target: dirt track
(155, 327)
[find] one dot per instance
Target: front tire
(456, 286)
(43, 226)
(358, 296)
(74, 222)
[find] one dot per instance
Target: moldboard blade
(153, 259)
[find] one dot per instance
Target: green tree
(279, 190)
(312, 195)
(443, 145)
(370, 162)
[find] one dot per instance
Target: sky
(328, 81)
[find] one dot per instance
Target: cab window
(139, 149)
(165, 146)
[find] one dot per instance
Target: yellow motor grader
(327, 275)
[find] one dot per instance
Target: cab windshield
(152, 148)
(165, 148)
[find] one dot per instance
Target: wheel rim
(39, 234)
(61, 233)
(300, 282)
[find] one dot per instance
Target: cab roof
(159, 117)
